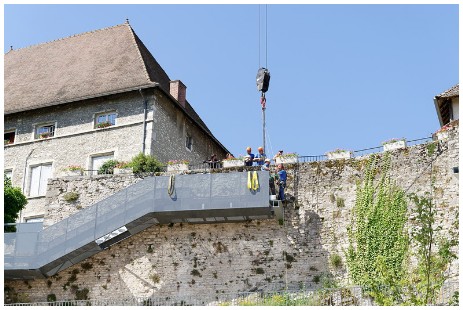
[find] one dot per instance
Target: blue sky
(342, 76)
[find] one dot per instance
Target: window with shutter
(39, 178)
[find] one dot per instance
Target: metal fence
(363, 152)
(207, 167)
(346, 296)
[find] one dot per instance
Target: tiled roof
(452, 92)
(86, 65)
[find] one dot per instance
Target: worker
(281, 182)
(260, 157)
(249, 158)
(271, 180)
(266, 165)
(213, 161)
(280, 152)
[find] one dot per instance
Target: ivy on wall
(378, 241)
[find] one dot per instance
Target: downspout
(145, 108)
(24, 179)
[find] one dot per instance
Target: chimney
(178, 91)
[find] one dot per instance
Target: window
(189, 142)
(9, 136)
(98, 161)
(45, 131)
(105, 120)
(39, 177)
(8, 173)
(35, 220)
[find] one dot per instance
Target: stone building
(91, 97)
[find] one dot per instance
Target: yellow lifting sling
(253, 181)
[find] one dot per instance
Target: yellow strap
(249, 180)
(255, 181)
(171, 185)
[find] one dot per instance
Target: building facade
(85, 99)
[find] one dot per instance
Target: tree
(14, 201)
(434, 252)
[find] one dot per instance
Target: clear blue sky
(342, 76)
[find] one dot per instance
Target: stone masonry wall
(206, 260)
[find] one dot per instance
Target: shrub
(336, 260)
(51, 297)
(14, 201)
(108, 167)
(155, 278)
(196, 273)
(71, 196)
(145, 163)
(82, 294)
(259, 270)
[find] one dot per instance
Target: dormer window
(104, 120)
(45, 131)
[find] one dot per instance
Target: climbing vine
(378, 241)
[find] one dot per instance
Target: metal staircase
(197, 198)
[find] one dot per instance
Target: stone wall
(206, 260)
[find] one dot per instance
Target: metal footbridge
(33, 252)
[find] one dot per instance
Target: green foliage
(378, 241)
(51, 297)
(434, 253)
(155, 278)
(195, 273)
(431, 147)
(14, 201)
(259, 270)
(82, 294)
(71, 196)
(108, 167)
(86, 266)
(145, 163)
(336, 260)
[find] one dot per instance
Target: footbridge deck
(196, 198)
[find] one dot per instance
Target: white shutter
(98, 161)
(39, 179)
(45, 174)
(35, 181)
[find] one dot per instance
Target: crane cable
(266, 37)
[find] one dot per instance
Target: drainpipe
(24, 179)
(145, 108)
